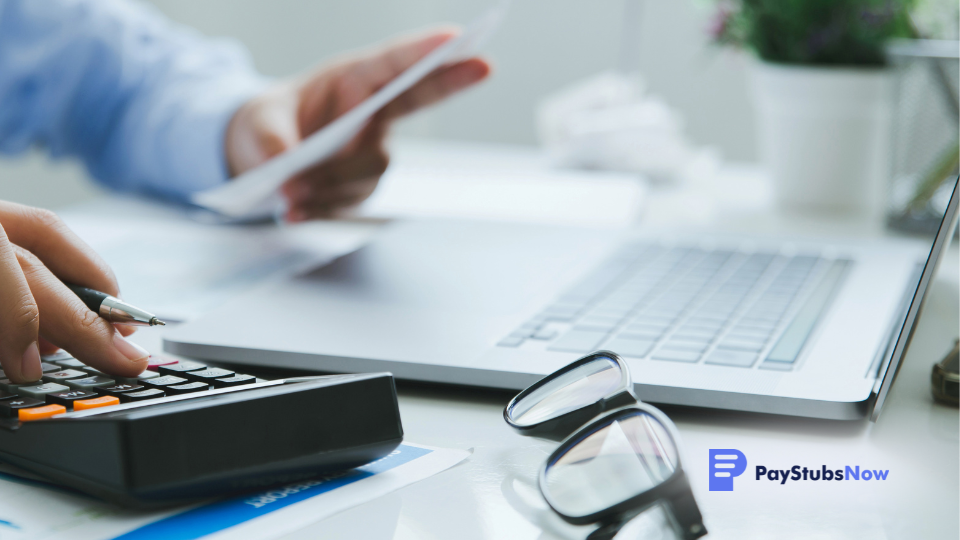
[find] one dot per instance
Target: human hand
(39, 314)
(290, 111)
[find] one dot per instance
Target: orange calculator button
(102, 401)
(37, 413)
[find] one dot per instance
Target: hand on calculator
(39, 314)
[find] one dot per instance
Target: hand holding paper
(318, 140)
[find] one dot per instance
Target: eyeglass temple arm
(685, 510)
(682, 508)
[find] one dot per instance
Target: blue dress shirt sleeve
(144, 103)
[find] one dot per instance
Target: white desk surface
(492, 494)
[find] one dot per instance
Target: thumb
(264, 127)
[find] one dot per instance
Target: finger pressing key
(19, 319)
(69, 324)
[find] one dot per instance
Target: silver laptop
(795, 327)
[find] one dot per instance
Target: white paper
(255, 192)
(178, 269)
(33, 510)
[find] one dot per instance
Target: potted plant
(822, 93)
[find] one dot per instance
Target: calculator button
(163, 381)
(122, 388)
(70, 363)
(208, 374)
(154, 362)
(236, 380)
(186, 388)
(7, 386)
(102, 401)
(150, 393)
(67, 397)
(86, 383)
(64, 374)
(37, 413)
(136, 380)
(41, 390)
(49, 368)
(178, 368)
(6, 395)
(9, 407)
(59, 355)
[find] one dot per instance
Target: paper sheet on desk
(179, 269)
(31, 510)
(254, 193)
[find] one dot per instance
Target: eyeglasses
(617, 456)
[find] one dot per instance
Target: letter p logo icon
(725, 464)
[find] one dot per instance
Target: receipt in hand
(254, 193)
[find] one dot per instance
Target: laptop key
(642, 334)
(727, 357)
(579, 341)
(742, 344)
(681, 345)
(545, 334)
(791, 342)
(692, 335)
(676, 355)
(741, 332)
(625, 346)
(510, 341)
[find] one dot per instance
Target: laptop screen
(901, 336)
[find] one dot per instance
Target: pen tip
(157, 322)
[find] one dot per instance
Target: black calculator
(183, 430)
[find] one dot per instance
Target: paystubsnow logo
(726, 464)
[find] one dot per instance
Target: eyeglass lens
(567, 392)
(615, 462)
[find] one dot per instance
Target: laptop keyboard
(720, 307)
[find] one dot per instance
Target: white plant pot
(824, 136)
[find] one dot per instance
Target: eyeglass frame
(573, 426)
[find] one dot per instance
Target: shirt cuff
(201, 161)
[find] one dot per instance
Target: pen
(113, 309)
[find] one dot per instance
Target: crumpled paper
(609, 121)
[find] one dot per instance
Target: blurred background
(541, 46)
(702, 95)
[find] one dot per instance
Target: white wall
(542, 45)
